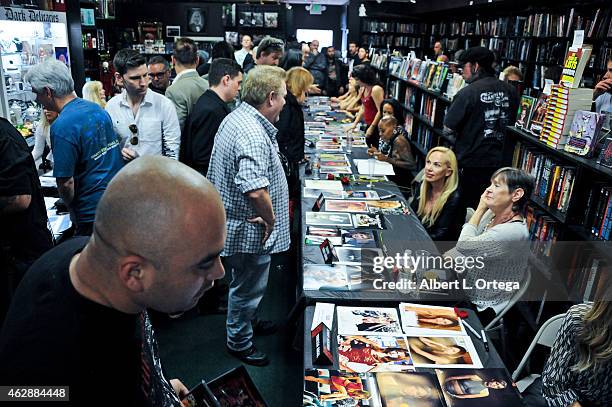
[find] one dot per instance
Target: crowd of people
(209, 163)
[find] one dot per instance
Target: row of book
(379, 60)
(424, 137)
(598, 215)
(563, 103)
(543, 231)
(391, 40)
(554, 183)
(587, 277)
(427, 108)
(596, 24)
(394, 27)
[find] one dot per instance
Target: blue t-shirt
(85, 147)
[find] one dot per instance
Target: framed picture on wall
(245, 19)
(271, 20)
(228, 16)
(258, 19)
(173, 31)
(196, 20)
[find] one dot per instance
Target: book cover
(373, 353)
(583, 133)
(573, 68)
(524, 112)
(368, 320)
(478, 387)
(430, 320)
(409, 389)
(332, 388)
(443, 351)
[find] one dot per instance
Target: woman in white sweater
(42, 136)
(498, 234)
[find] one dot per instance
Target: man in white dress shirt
(145, 121)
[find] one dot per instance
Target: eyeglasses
(157, 75)
(134, 129)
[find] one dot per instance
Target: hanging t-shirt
(23, 233)
(85, 147)
(54, 336)
(479, 115)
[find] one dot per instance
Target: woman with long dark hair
(371, 99)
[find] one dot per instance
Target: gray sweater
(504, 248)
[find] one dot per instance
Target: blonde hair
(594, 340)
(298, 81)
(450, 186)
(511, 69)
(260, 81)
(91, 92)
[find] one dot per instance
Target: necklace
(491, 222)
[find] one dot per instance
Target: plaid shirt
(245, 158)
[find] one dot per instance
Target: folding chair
(545, 336)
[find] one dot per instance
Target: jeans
(249, 281)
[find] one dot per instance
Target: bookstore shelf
(584, 162)
(557, 215)
(438, 95)
(426, 122)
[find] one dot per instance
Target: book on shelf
(584, 133)
(537, 115)
(455, 84)
(554, 183)
(587, 276)
(543, 231)
(598, 214)
(523, 116)
(563, 102)
(573, 68)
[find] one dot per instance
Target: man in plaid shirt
(246, 169)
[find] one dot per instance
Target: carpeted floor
(193, 347)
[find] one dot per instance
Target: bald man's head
(148, 206)
(387, 121)
(158, 214)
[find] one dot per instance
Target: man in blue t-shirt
(85, 148)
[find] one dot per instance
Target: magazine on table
(478, 387)
(443, 351)
(339, 219)
(373, 353)
(335, 205)
(368, 320)
(357, 256)
(368, 220)
(327, 277)
(430, 320)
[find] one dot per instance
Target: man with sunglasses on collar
(476, 120)
(146, 122)
(87, 153)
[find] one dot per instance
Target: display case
(27, 37)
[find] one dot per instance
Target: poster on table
(430, 320)
(443, 351)
(368, 320)
(478, 387)
(373, 353)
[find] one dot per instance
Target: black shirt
(478, 116)
(248, 63)
(290, 127)
(24, 235)
(201, 126)
(448, 225)
(55, 336)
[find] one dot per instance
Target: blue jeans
(249, 281)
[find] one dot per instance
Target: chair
(546, 336)
(515, 298)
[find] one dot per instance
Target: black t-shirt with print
(478, 116)
(54, 336)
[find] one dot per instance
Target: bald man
(79, 316)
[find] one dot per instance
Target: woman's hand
(482, 205)
(381, 157)
(372, 151)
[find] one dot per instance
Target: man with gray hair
(269, 52)
(246, 169)
(85, 148)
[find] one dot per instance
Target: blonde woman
(290, 123)
(42, 137)
(94, 92)
(438, 205)
(579, 368)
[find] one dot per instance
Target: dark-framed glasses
(134, 130)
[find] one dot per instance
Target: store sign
(31, 16)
